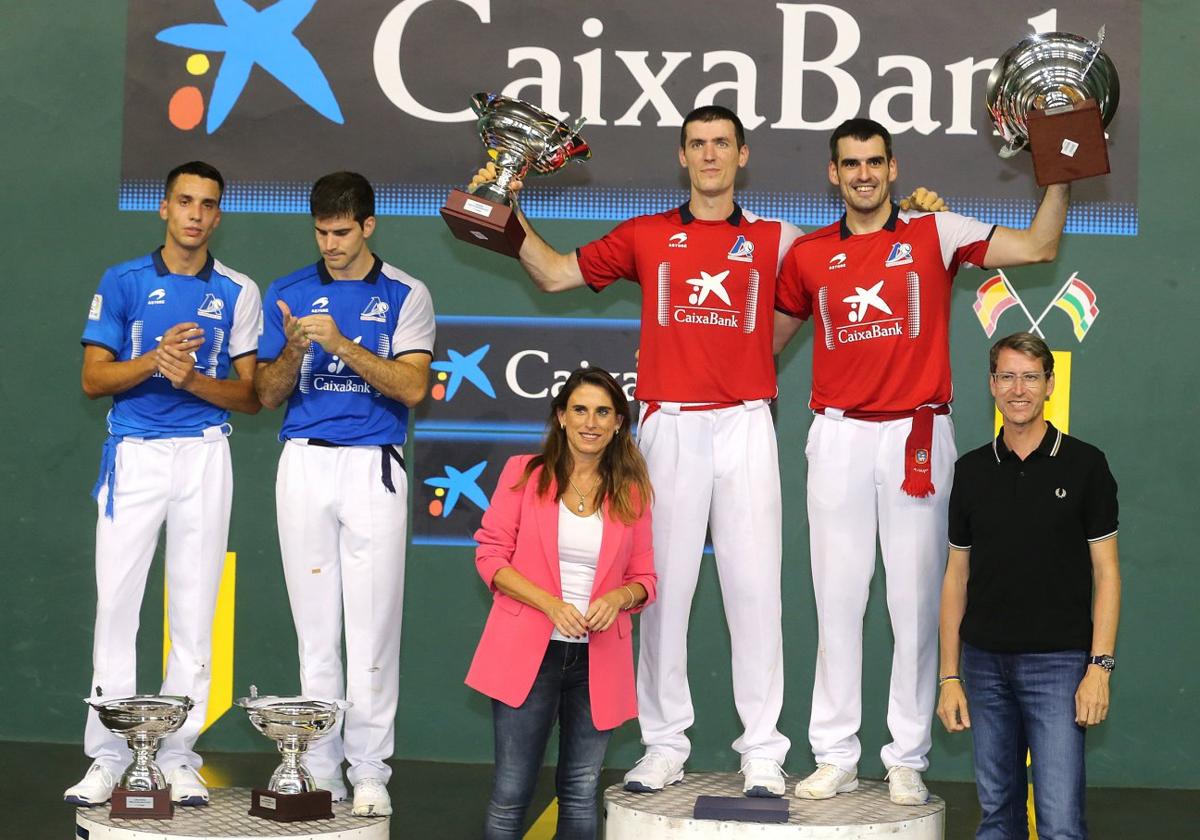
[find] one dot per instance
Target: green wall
(1133, 394)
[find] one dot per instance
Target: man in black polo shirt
(1030, 602)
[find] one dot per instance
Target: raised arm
(549, 269)
(1038, 243)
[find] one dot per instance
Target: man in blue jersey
(162, 334)
(347, 343)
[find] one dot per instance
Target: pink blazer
(520, 529)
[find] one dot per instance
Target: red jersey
(881, 339)
(708, 295)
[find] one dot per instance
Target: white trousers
(716, 469)
(187, 483)
(342, 538)
(855, 469)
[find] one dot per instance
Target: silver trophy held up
(521, 139)
(143, 721)
(1054, 93)
(293, 723)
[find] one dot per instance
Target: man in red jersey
(881, 447)
(706, 377)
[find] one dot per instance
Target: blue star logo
(249, 37)
(458, 483)
(467, 367)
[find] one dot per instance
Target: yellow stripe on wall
(220, 691)
(1058, 409)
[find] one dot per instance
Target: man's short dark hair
(342, 194)
(711, 113)
(198, 168)
(860, 129)
(1026, 343)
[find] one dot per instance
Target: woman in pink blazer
(565, 546)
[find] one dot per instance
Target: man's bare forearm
(398, 379)
(103, 377)
(275, 380)
(549, 269)
(233, 394)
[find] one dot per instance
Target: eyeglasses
(1029, 379)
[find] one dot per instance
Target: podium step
(865, 813)
(226, 817)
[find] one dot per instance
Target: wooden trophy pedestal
(1067, 143)
(291, 807)
(484, 223)
(142, 804)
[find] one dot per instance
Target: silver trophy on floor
(293, 723)
(143, 721)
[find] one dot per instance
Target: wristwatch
(1105, 661)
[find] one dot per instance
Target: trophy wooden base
(1067, 143)
(291, 807)
(484, 223)
(142, 804)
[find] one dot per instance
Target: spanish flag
(991, 299)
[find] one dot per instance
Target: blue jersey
(137, 302)
(388, 312)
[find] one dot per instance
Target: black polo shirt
(1027, 525)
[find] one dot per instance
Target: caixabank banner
(493, 382)
(278, 92)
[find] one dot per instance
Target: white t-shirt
(578, 552)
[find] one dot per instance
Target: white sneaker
(371, 799)
(905, 786)
(653, 772)
(187, 786)
(763, 777)
(828, 781)
(95, 788)
(336, 788)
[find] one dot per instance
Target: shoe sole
(371, 812)
(762, 792)
(192, 801)
(849, 787)
(639, 787)
(903, 801)
(81, 802)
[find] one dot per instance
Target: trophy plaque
(293, 723)
(520, 139)
(1054, 93)
(142, 720)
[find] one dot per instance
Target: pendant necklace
(579, 507)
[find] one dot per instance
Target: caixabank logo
(277, 92)
(493, 382)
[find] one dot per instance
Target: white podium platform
(866, 813)
(226, 817)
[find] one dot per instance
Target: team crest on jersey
(320, 306)
(212, 307)
(837, 261)
(96, 307)
(376, 310)
(157, 296)
(677, 240)
(901, 254)
(742, 250)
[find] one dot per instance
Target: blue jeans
(559, 693)
(1020, 701)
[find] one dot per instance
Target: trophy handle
(1012, 148)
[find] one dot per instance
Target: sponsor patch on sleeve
(97, 305)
